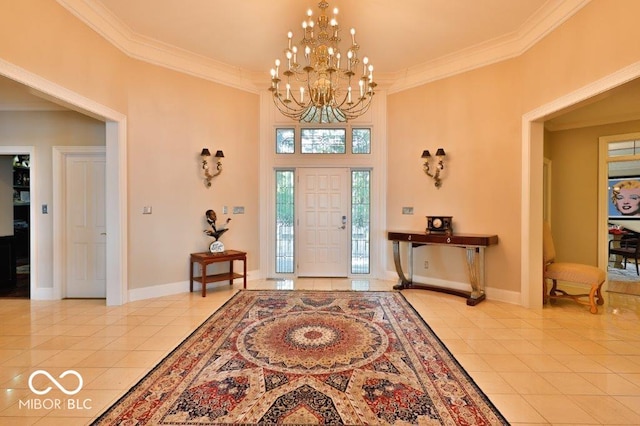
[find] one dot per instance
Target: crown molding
(101, 20)
(548, 18)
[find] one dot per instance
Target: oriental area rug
(308, 357)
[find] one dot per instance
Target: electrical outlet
(426, 264)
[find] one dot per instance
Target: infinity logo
(55, 382)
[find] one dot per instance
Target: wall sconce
(205, 154)
(440, 154)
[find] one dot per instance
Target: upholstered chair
(567, 272)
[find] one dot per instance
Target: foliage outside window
(323, 141)
(285, 141)
(284, 221)
(361, 141)
(360, 221)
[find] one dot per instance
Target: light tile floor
(556, 365)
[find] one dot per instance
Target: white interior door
(85, 209)
(323, 219)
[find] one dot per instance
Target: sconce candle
(440, 154)
(205, 154)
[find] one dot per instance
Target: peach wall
(599, 40)
(170, 118)
(473, 117)
(477, 118)
(42, 37)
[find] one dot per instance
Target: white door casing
(323, 222)
(85, 225)
(116, 193)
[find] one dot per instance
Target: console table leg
(475, 268)
(403, 281)
(203, 274)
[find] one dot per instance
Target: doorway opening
(116, 193)
(327, 232)
(623, 211)
(15, 245)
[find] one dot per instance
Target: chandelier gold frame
(327, 87)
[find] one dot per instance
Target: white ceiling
(17, 97)
(394, 34)
(246, 36)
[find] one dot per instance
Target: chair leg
(599, 297)
(637, 270)
(592, 299)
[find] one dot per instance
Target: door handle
(344, 222)
(103, 233)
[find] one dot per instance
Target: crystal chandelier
(316, 83)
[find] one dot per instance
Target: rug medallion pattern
(303, 357)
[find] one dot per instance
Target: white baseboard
(44, 294)
(180, 287)
(454, 285)
(507, 296)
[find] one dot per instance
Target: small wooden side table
(206, 258)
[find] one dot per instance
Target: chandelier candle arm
(326, 76)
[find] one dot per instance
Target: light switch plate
(146, 210)
(407, 210)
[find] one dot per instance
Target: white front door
(323, 218)
(85, 225)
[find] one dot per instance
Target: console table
(207, 258)
(472, 243)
